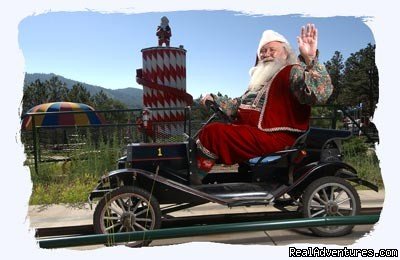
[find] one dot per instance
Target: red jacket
(281, 111)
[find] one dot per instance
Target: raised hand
(308, 42)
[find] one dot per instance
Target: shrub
(355, 146)
(357, 153)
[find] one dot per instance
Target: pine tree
(335, 68)
(361, 80)
(79, 94)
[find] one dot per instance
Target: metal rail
(173, 222)
(111, 239)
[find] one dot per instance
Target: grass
(363, 158)
(367, 168)
(71, 180)
(73, 191)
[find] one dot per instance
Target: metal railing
(35, 138)
(57, 136)
(112, 239)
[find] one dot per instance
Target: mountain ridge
(132, 97)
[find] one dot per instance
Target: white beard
(263, 72)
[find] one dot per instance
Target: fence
(52, 143)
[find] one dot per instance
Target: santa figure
(275, 108)
(164, 32)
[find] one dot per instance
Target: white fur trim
(205, 151)
(249, 107)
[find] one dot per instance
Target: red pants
(237, 143)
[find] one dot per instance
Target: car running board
(244, 194)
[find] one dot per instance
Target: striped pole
(163, 77)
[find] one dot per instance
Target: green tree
(361, 80)
(57, 90)
(79, 94)
(335, 68)
(53, 90)
(101, 101)
(34, 94)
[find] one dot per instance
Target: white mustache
(263, 72)
(266, 60)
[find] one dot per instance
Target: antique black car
(155, 179)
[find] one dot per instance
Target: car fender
(130, 176)
(313, 171)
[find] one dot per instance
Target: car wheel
(127, 209)
(330, 196)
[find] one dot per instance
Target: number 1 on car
(159, 152)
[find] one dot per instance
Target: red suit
(164, 35)
(271, 123)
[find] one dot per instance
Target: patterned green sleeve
(310, 84)
(228, 105)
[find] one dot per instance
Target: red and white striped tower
(163, 77)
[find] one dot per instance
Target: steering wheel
(217, 110)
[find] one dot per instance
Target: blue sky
(104, 49)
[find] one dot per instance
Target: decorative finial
(164, 32)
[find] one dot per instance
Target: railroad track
(172, 222)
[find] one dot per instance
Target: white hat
(270, 36)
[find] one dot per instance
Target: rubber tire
(97, 216)
(311, 188)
